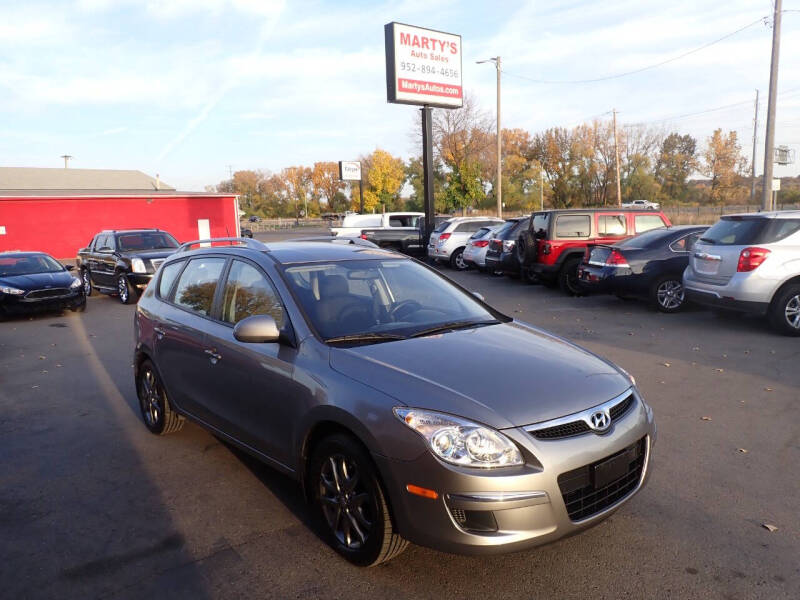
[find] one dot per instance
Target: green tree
(675, 163)
(725, 166)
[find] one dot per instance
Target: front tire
(667, 294)
(784, 312)
(86, 279)
(125, 291)
(457, 261)
(348, 503)
(157, 413)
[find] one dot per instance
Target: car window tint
(198, 284)
(167, 278)
(679, 245)
(248, 292)
(540, 224)
(611, 225)
(692, 240)
(480, 233)
(779, 229)
(647, 222)
(467, 227)
(573, 226)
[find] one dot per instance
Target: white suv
(750, 263)
(448, 240)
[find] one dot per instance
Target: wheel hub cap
(792, 312)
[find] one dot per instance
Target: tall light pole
(769, 142)
(496, 60)
(616, 160)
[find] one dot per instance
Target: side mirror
(479, 296)
(69, 267)
(256, 330)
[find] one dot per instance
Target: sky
(191, 89)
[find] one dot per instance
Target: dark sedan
(35, 281)
(649, 266)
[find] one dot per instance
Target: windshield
(395, 298)
(743, 231)
(646, 239)
(145, 241)
(28, 265)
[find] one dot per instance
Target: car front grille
(578, 426)
(49, 293)
(583, 499)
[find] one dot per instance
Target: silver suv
(750, 263)
(448, 240)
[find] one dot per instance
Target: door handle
(159, 332)
(212, 355)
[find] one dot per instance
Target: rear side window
(441, 226)
(647, 222)
(743, 232)
(198, 284)
(468, 226)
(611, 225)
(167, 278)
(573, 226)
(540, 222)
(519, 226)
(480, 233)
(248, 292)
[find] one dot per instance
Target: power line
(642, 69)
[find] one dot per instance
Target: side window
(573, 226)
(679, 245)
(167, 278)
(692, 240)
(91, 245)
(248, 292)
(611, 225)
(198, 284)
(102, 242)
(539, 226)
(647, 222)
(467, 227)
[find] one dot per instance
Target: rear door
(715, 258)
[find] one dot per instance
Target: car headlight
(76, 283)
(459, 441)
(7, 289)
(137, 265)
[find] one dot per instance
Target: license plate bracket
(611, 469)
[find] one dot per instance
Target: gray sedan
(406, 407)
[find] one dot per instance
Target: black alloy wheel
(86, 279)
(349, 504)
(157, 412)
(668, 294)
(568, 278)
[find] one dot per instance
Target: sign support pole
(361, 196)
(427, 170)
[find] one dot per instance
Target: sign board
(423, 66)
(776, 185)
(349, 170)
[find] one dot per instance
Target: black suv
(501, 256)
(122, 262)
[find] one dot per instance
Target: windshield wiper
(452, 326)
(708, 240)
(365, 337)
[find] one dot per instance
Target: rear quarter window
(573, 226)
(167, 278)
(647, 222)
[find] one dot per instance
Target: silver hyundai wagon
(336, 364)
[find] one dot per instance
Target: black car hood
(502, 375)
(149, 254)
(38, 281)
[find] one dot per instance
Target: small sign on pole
(349, 170)
(776, 185)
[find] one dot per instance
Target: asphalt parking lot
(94, 506)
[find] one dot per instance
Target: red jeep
(551, 249)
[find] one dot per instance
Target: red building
(59, 210)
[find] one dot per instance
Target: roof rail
(248, 242)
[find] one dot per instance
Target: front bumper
(140, 280)
(20, 305)
(517, 507)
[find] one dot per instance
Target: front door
(254, 395)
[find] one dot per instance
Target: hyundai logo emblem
(600, 420)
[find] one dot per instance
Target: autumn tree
(724, 165)
(298, 187)
(383, 176)
(325, 178)
(554, 150)
(676, 161)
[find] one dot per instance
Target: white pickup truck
(646, 204)
(353, 224)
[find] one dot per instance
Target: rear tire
(568, 278)
(457, 260)
(156, 410)
(784, 311)
(667, 294)
(349, 504)
(86, 279)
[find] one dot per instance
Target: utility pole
(66, 158)
(616, 159)
(230, 172)
(769, 143)
(499, 149)
(541, 187)
(753, 163)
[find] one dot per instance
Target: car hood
(503, 375)
(150, 254)
(37, 281)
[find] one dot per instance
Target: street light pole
(769, 142)
(499, 184)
